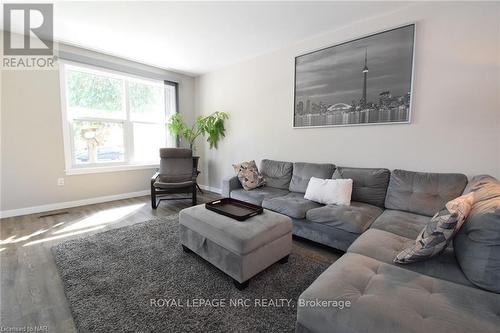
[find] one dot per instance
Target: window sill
(114, 168)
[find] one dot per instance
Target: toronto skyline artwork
(364, 81)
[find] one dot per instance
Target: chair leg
(195, 201)
(154, 204)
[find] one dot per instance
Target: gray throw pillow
(438, 232)
(249, 175)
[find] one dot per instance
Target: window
(112, 120)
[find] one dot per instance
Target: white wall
(456, 105)
(32, 153)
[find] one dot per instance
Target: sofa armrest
(230, 184)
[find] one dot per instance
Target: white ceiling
(199, 37)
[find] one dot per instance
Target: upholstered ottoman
(240, 249)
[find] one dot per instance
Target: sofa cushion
(386, 298)
(477, 182)
(355, 218)
(438, 232)
(477, 244)
(384, 246)
(256, 196)
(369, 185)
(323, 233)
(423, 193)
(401, 223)
(293, 204)
(276, 173)
(302, 172)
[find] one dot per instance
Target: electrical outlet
(60, 181)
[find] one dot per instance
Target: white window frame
(71, 168)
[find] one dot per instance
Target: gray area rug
(112, 278)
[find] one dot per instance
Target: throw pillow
(249, 175)
(439, 231)
(329, 191)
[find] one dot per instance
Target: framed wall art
(360, 82)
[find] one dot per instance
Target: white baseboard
(69, 204)
(211, 189)
(83, 202)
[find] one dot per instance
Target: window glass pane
(97, 142)
(146, 102)
(148, 139)
(93, 95)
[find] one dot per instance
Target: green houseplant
(212, 126)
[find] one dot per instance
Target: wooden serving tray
(233, 208)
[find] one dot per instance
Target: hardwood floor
(31, 291)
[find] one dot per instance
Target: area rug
(138, 279)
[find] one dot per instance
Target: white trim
(210, 189)
(116, 74)
(84, 202)
(110, 168)
(69, 204)
(64, 115)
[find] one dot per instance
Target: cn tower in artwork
(365, 75)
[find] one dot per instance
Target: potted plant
(212, 126)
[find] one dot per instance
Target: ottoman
(239, 249)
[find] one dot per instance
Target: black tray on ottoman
(233, 208)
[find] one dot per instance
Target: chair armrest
(155, 176)
(230, 184)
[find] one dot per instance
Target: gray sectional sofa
(456, 291)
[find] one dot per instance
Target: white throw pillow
(329, 191)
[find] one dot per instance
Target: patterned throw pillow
(249, 175)
(439, 231)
